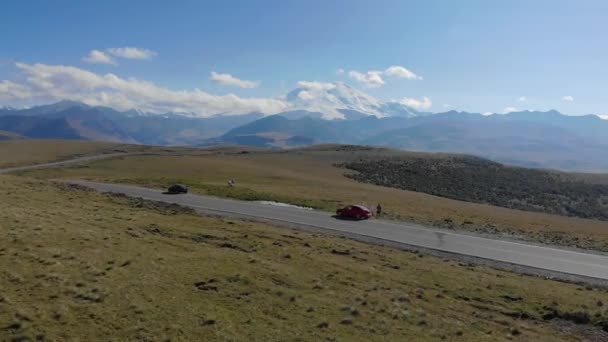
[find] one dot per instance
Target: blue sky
(481, 56)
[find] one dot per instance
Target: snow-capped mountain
(334, 100)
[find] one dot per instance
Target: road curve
(553, 260)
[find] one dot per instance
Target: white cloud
(423, 103)
(98, 57)
(13, 91)
(371, 79)
(227, 79)
(445, 105)
(603, 116)
(487, 113)
(568, 98)
(306, 95)
(401, 72)
(339, 71)
(101, 57)
(509, 110)
(130, 52)
(41, 82)
(314, 90)
(522, 99)
(316, 86)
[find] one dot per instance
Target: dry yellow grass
(28, 152)
(24, 152)
(78, 265)
(309, 178)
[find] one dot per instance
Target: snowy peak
(330, 98)
(397, 109)
(336, 99)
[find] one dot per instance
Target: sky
(239, 56)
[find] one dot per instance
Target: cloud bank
(128, 52)
(98, 57)
(420, 104)
(42, 82)
(229, 80)
(371, 79)
(374, 78)
(401, 72)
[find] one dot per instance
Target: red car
(357, 212)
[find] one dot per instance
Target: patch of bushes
(478, 180)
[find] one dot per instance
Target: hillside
(74, 120)
(93, 266)
(536, 139)
(531, 139)
(477, 180)
(31, 151)
(279, 131)
(309, 177)
(39, 128)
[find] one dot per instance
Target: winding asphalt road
(533, 256)
(546, 260)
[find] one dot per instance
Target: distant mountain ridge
(534, 139)
(75, 120)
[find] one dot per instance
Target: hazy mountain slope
(313, 129)
(512, 139)
(180, 130)
(40, 128)
(587, 126)
(501, 138)
(73, 120)
(537, 139)
(276, 131)
(92, 124)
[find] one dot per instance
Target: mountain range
(336, 113)
(75, 120)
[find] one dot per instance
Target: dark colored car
(177, 189)
(356, 212)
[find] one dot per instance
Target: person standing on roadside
(378, 210)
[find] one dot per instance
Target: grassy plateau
(28, 151)
(310, 177)
(78, 265)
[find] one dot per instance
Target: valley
(79, 263)
(311, 177)
(322, 171)
(337, 114)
